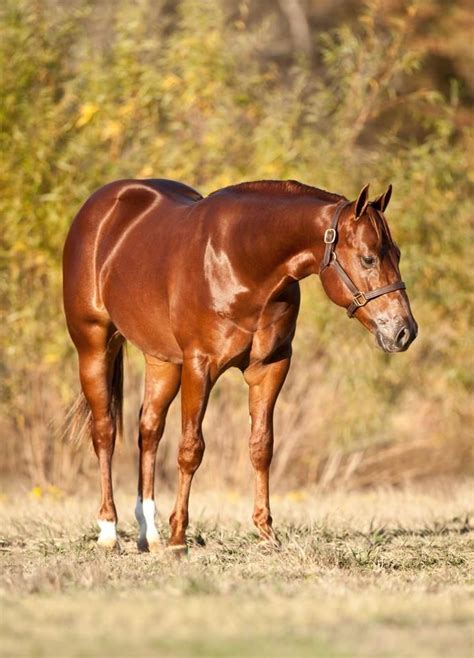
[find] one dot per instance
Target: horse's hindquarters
(115, 262)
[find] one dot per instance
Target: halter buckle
(360, 299)
(330, 236)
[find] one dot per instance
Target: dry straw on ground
(386, 573)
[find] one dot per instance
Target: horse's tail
(78, 421)
(117, 391)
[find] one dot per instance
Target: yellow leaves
(50, 491)
(36, 492)
(51, 357)
(213, 40)
(127, 108)
(86, 112)
(222, 180)
(19, 246)
(112, 129)
(159, 142)
(55, 492)
(146, 171)
(297, 496)
(212, 140)
(170, 81)
(271, 169)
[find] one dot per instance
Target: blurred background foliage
(334, 93)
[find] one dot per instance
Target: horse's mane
(287, 187)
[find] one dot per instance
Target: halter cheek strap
(359, 298)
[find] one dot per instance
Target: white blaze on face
(108, 533)
(145, 514)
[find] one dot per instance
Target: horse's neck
(287, 239)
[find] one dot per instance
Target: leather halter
(359, 298)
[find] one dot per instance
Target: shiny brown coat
(203, 284)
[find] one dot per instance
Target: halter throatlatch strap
(359, 298)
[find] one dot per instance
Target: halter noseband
(359, 298)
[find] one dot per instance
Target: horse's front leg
(265, 382)
(195, 388)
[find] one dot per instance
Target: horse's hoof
(142, 545)
(177, 551)
(109, 545)
(155, 546)
(145, 545)
(269, 543)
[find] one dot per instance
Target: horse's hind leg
(162, 382)
(99, 353)
(265, 382)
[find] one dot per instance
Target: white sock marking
(108, 533)
(145, 514)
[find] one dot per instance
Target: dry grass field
(386, 573)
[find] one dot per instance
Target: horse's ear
(362, 201)
(381, 202)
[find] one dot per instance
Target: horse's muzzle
(399, 338)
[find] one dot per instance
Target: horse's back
(114, 208)
(121, 202)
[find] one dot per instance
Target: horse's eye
(368, 261)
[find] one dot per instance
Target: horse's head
(360, 271)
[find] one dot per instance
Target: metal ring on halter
(330, 236)
(360, 299)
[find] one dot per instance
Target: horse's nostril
(402, 337)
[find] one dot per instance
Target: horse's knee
(261, 450)
(191, 450)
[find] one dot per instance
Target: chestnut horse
(203, 284)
